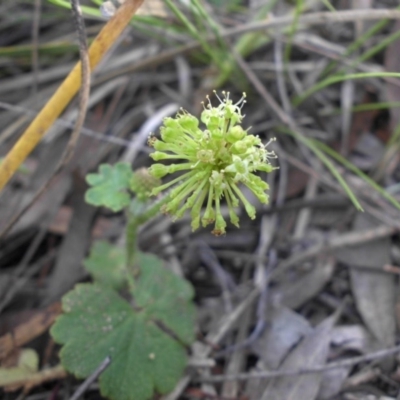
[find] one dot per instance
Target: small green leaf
(144, 338)
(106, 264)
(110, 186)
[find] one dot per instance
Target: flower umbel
(215, 161)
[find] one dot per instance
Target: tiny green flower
(215, 161)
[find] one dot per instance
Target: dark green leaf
(164, 297)
(145, 340)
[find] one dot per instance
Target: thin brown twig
(371, 196)
(85, 385)
(10, 291)
(252, 77)
(280, 74)
(84, 94)
(273, 104)
(39, 378)
(35, 44)
(346, 239)
(62, 122)
(319, 18)
(311, 370)
(33, 269)
(215, 338)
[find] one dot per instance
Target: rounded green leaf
(109, 186)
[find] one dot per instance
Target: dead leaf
(297, 181)
(285, 329)
(296, 292)
(312, 351)
(343, 339)
(29, 330)
(332, 382)
(68, 269)
(374, 292)
(368, 152)
(362, 121)
(352, 338)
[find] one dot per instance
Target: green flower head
(214, 162)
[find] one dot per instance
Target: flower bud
(240, 147)
(215, 123)
(188, 122)
(161, 146)
(168, 134)
(235, 133)
(143, 181)
(220, 226)
(158, 155)
(159, 170)
(265, 167)
(172, 123)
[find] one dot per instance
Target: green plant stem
(244, 46)
(394, 140)
(206, 17)
(293, 29)
(363, 107)
(353, 47)
(328, 5)
(135, 220)
(132, 228)
(327, 162)
(377, 48)
(335, 79)
(350, 166)
(358, 43)
(195, 33)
